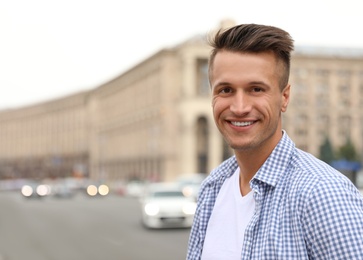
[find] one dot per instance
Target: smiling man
(270, 200)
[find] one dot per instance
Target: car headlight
(103, 190)
(151, 209)
(43, 190)
(27, 190)
(92, 190)
(190, 208)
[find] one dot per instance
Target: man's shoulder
(309, 164)
(313, 173)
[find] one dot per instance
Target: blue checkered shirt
(305, 209)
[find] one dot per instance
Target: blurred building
(327, 98)
(155, 120)
(49, 139)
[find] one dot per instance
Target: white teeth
(241, 123)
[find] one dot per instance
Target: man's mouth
(240, 124)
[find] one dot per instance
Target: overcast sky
(52, 48)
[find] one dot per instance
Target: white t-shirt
(230, 216)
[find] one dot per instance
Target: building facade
(45, 140)
(327, 98)
(155, 120)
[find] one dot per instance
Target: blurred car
(165, 206)
(35, 190)
(97, 190)
(190, 184)
(93, 188)
(62, 190)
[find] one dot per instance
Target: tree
(347, 151)
(326, 151)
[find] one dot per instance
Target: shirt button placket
(249, 234)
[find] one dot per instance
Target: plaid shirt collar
(278, 161)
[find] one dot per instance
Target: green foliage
(347, 151)
(326, 151)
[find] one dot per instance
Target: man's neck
(249, 163)
(248, 166)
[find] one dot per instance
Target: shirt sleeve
(195, 244)
(333, 221)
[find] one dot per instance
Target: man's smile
(241, 124)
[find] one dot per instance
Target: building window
(300, 88)
(302, 120)
(322, 88)
(322, 101)
(345, 123)
(324, 120)
(344, 74)
(323, 73)
(344, 89)
(301, 132)
(301, 73)
(301, 101)
(203, 88)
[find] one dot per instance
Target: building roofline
(323, 51)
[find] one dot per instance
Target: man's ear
(285, 98)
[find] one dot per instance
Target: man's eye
(257, 89)
(226, 90)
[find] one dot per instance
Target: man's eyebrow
(222, 83)
(259, 83)
(226, 83)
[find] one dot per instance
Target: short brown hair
(255, 38)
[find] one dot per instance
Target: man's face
(247, 100)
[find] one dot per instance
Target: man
(270, 200)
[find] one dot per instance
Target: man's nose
(240, 103)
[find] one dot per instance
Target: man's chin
(242, 147)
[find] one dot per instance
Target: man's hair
(255, 38)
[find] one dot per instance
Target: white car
(165, 206)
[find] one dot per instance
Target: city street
(82, 228)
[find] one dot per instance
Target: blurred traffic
(55, 210)
(67, 188)
(35, 190)
(165, 205)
